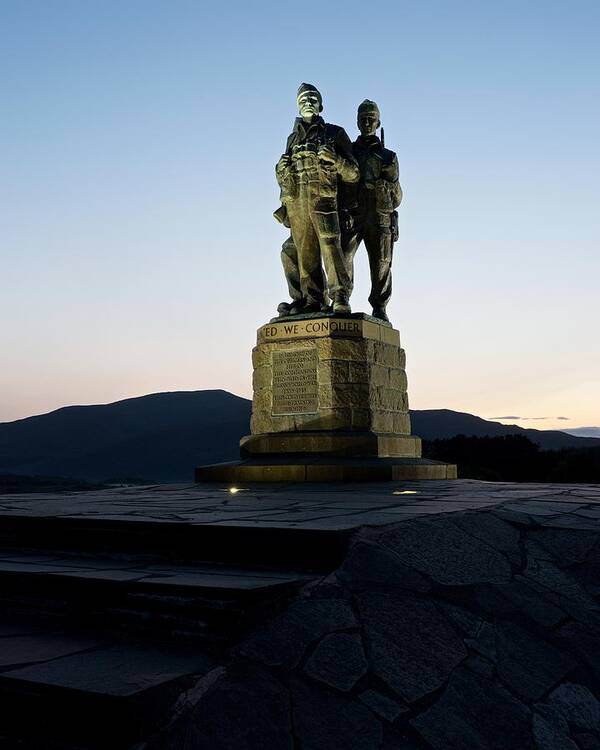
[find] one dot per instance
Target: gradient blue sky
(138, 142)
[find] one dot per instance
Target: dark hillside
(160, 437)
(434, 424)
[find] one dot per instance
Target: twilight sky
(138, 140)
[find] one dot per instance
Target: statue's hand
(283, 163)
(327, 154)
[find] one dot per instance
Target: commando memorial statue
(330, 394)
(365, 200)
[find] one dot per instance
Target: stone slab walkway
(311, 506)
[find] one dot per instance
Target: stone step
(68, 689)
(315, 467)
(246, 542)
(330, 442)
(155, 598)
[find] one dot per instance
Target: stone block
(390, 336)
(388, 399)
(334, 371)
(392, 357)
(398, 379)
(338, 661)
(382, 421)
(411, 647)
(284, 641)
(325, 396)
(305, 422)
(356, 443)
(351, 395)
(261, 356)
(423, 471)
(342, 349)
(447, 554)
(263, 421)
(375, 352)
(305, 468)
(335, 419)
(261, 377)
(358, 372)
(528, 665)
(259, 422)
(401, 424)
(379, 375)
(396, 445)
(369, 567)
(262, 400)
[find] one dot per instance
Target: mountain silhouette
(162, 436)
(435, 424)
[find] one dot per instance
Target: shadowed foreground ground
(463, 615)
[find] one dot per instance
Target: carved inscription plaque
(295, 381)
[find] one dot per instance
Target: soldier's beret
(368, 106)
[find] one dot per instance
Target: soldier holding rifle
(372, 203)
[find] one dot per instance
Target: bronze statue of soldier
(372, 204)
(317, 160)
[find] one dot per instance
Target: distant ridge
(162, 436)
(445, 423)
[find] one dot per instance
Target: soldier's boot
(380, 314)
(301, 307)
(341, 303)
(284, 308)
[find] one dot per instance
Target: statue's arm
(391, 173)
(390, 170)
(347, 165)
(283, 166)
(282, 169)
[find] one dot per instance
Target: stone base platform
(363, 444)
(330, 403)
(324, 468)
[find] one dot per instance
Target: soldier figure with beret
(317, 160)
(372, 203)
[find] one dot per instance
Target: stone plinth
(328, 389)
(329, 374)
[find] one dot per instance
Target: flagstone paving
(310, 506)
(372, 616)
